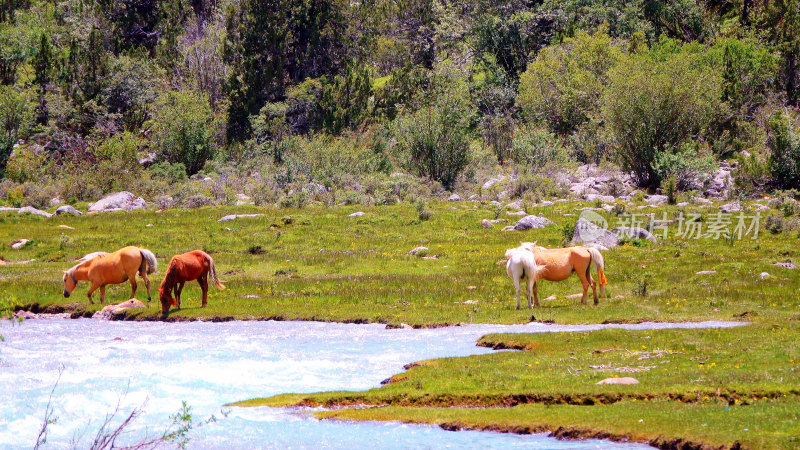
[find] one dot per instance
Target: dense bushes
(784, 145)
(183, 129)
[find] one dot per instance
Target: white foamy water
(158, 365)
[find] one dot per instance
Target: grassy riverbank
(319, 264)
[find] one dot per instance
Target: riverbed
(155, 366)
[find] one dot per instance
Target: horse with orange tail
(194, 265)
(558, 264)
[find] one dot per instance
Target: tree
(654, 103)
(784, 145)
(563, 86)
(345, 100)
(43, 62)
(182, 129)
(16, 118)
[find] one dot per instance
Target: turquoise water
(155, 365)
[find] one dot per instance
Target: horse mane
(169, 278)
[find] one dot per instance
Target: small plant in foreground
(422, 210)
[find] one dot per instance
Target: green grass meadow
(709, 387)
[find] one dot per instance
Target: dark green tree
(43, 63)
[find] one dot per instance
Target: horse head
(167, 300)
(69, 282)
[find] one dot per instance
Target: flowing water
(156, 365)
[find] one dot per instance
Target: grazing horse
(194, 265)
(558, 264)
(520, 263)
(102, 269)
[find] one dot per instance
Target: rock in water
(109, 311)
(120, 201)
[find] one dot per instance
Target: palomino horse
(194, 265)
(112, 268)
(558, 264)
(520, 264)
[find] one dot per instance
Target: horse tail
(213, 271)
(597, 258)
(149, 261)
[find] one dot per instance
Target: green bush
(535, 148)
(16, 120)
(170, 173)
(784, 146)
(182, 129)
(434, 139)
(563, 86)
(655, 101)
(687, 165)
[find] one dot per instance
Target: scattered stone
(419, 251)
(491, 182)
(587, 232)
(620, 380)
(149, 225)
(25, 315)
(571, 296)
(561, 200)
(607, 208)
(252, 296)
(68, 209)
(498, 220)
(718, 185)
(66, 226)
(731, 207)
(55, 201)
(546, 203)
(120, 201)
(656, 199)
(470, 302)
(701, 201)
(473, 197)
(634, 233)
(242, 199)
(785, 265)
(32, 210)
(763, 275)
(509, 228)
(552, 297)
(486, 224)
(356, 214)
(19, 243)
(230, 217)
(517, 213)
(109, 311)
(517, 204)
(706, 272)
(760, 208)
(682, 204)
(7, 209)
(454, 198)
(529, 222)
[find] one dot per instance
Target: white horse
(521, 264)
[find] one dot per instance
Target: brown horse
(111, 268)
(194, 265)
(558, 264)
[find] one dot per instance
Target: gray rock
(120, 201)
(356, 214)
(509, 228)
(32, 210)
(68, 209)
(731, 207)
(785, 265)
(491, 182)
(718, 185)
(620, 380)
(6, 208)
(588, 233)
(529, 222)
(454, 198)
(109, 311)
(19, 243)
(546, 203)
(656, 199)
(55, 201)
(517, 213)
(486, 224)
(634, 233)
(517, 204)
(701, 201)
(230, 217)
(763, 275)
(418, 251)
(148, 159)
(706, 272)
(682, 204)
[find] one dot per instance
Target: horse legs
(585, 284)
(133, 285)
(203, 280)
(516, 286)
(178, 290)
(594, 289)
(535, 294)
(91, 290)
(530, 288)
(103, 294)
(146, 284)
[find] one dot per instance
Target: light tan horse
(520, 264)
(112, 268)
(558, 264)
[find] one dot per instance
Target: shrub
(563, 86)
(434, 139)
(774, 224)
(688, 165)
(171, 173)
(16, 120)
(654, 102)
(539, 185)
(784, 145)
(535, 148)
(182, 129)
